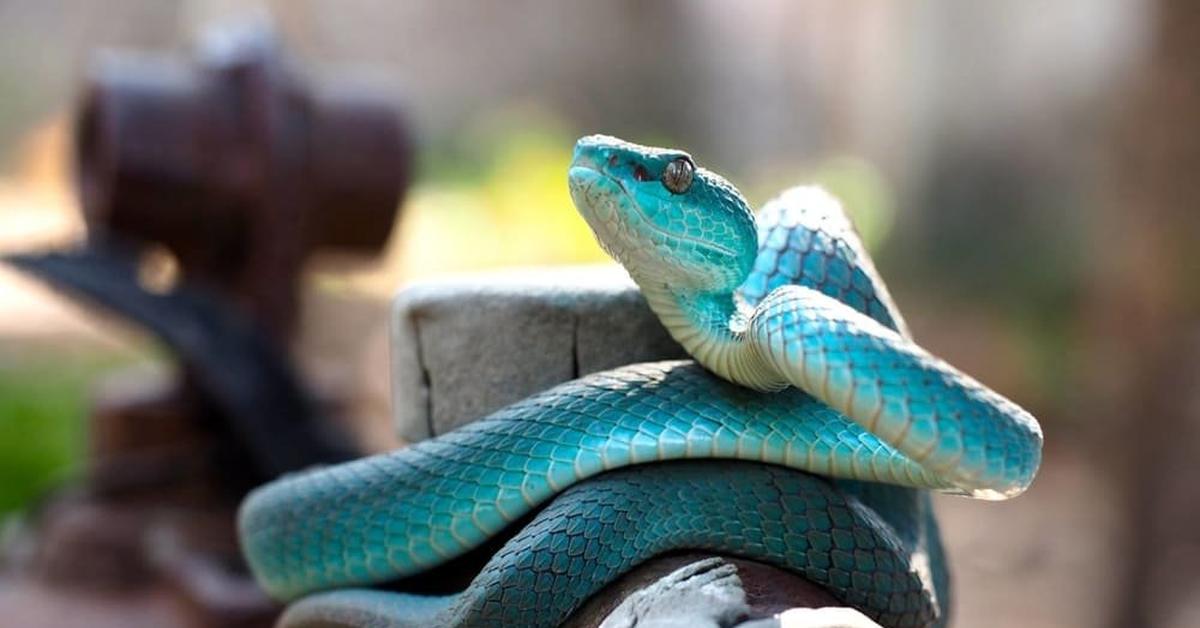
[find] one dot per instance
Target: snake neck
(711, 327)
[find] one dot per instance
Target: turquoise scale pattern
(595, 532)
(929, 411)
(804, 239)
(396, 514)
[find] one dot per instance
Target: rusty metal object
(241, 170)
(240, 398)
(238, 166)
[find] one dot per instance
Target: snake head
(662, 217)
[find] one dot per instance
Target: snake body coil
(806, 366)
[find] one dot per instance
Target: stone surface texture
(703, 594)
(466, 346)
(712, 593)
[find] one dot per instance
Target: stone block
(466, 346)
(704, 594)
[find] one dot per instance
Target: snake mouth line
(642, 214)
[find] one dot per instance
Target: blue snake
(807, 433)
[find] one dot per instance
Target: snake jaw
(699, 237)
(601, 211)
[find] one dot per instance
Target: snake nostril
(612, 161)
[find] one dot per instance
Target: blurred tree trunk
(1147, 290)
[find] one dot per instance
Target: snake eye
(677, 176)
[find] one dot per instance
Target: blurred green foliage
(858, 184)
(495, 195)
(44, 393)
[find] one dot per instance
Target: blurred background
(1023, 172)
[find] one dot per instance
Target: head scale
(662, 217)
